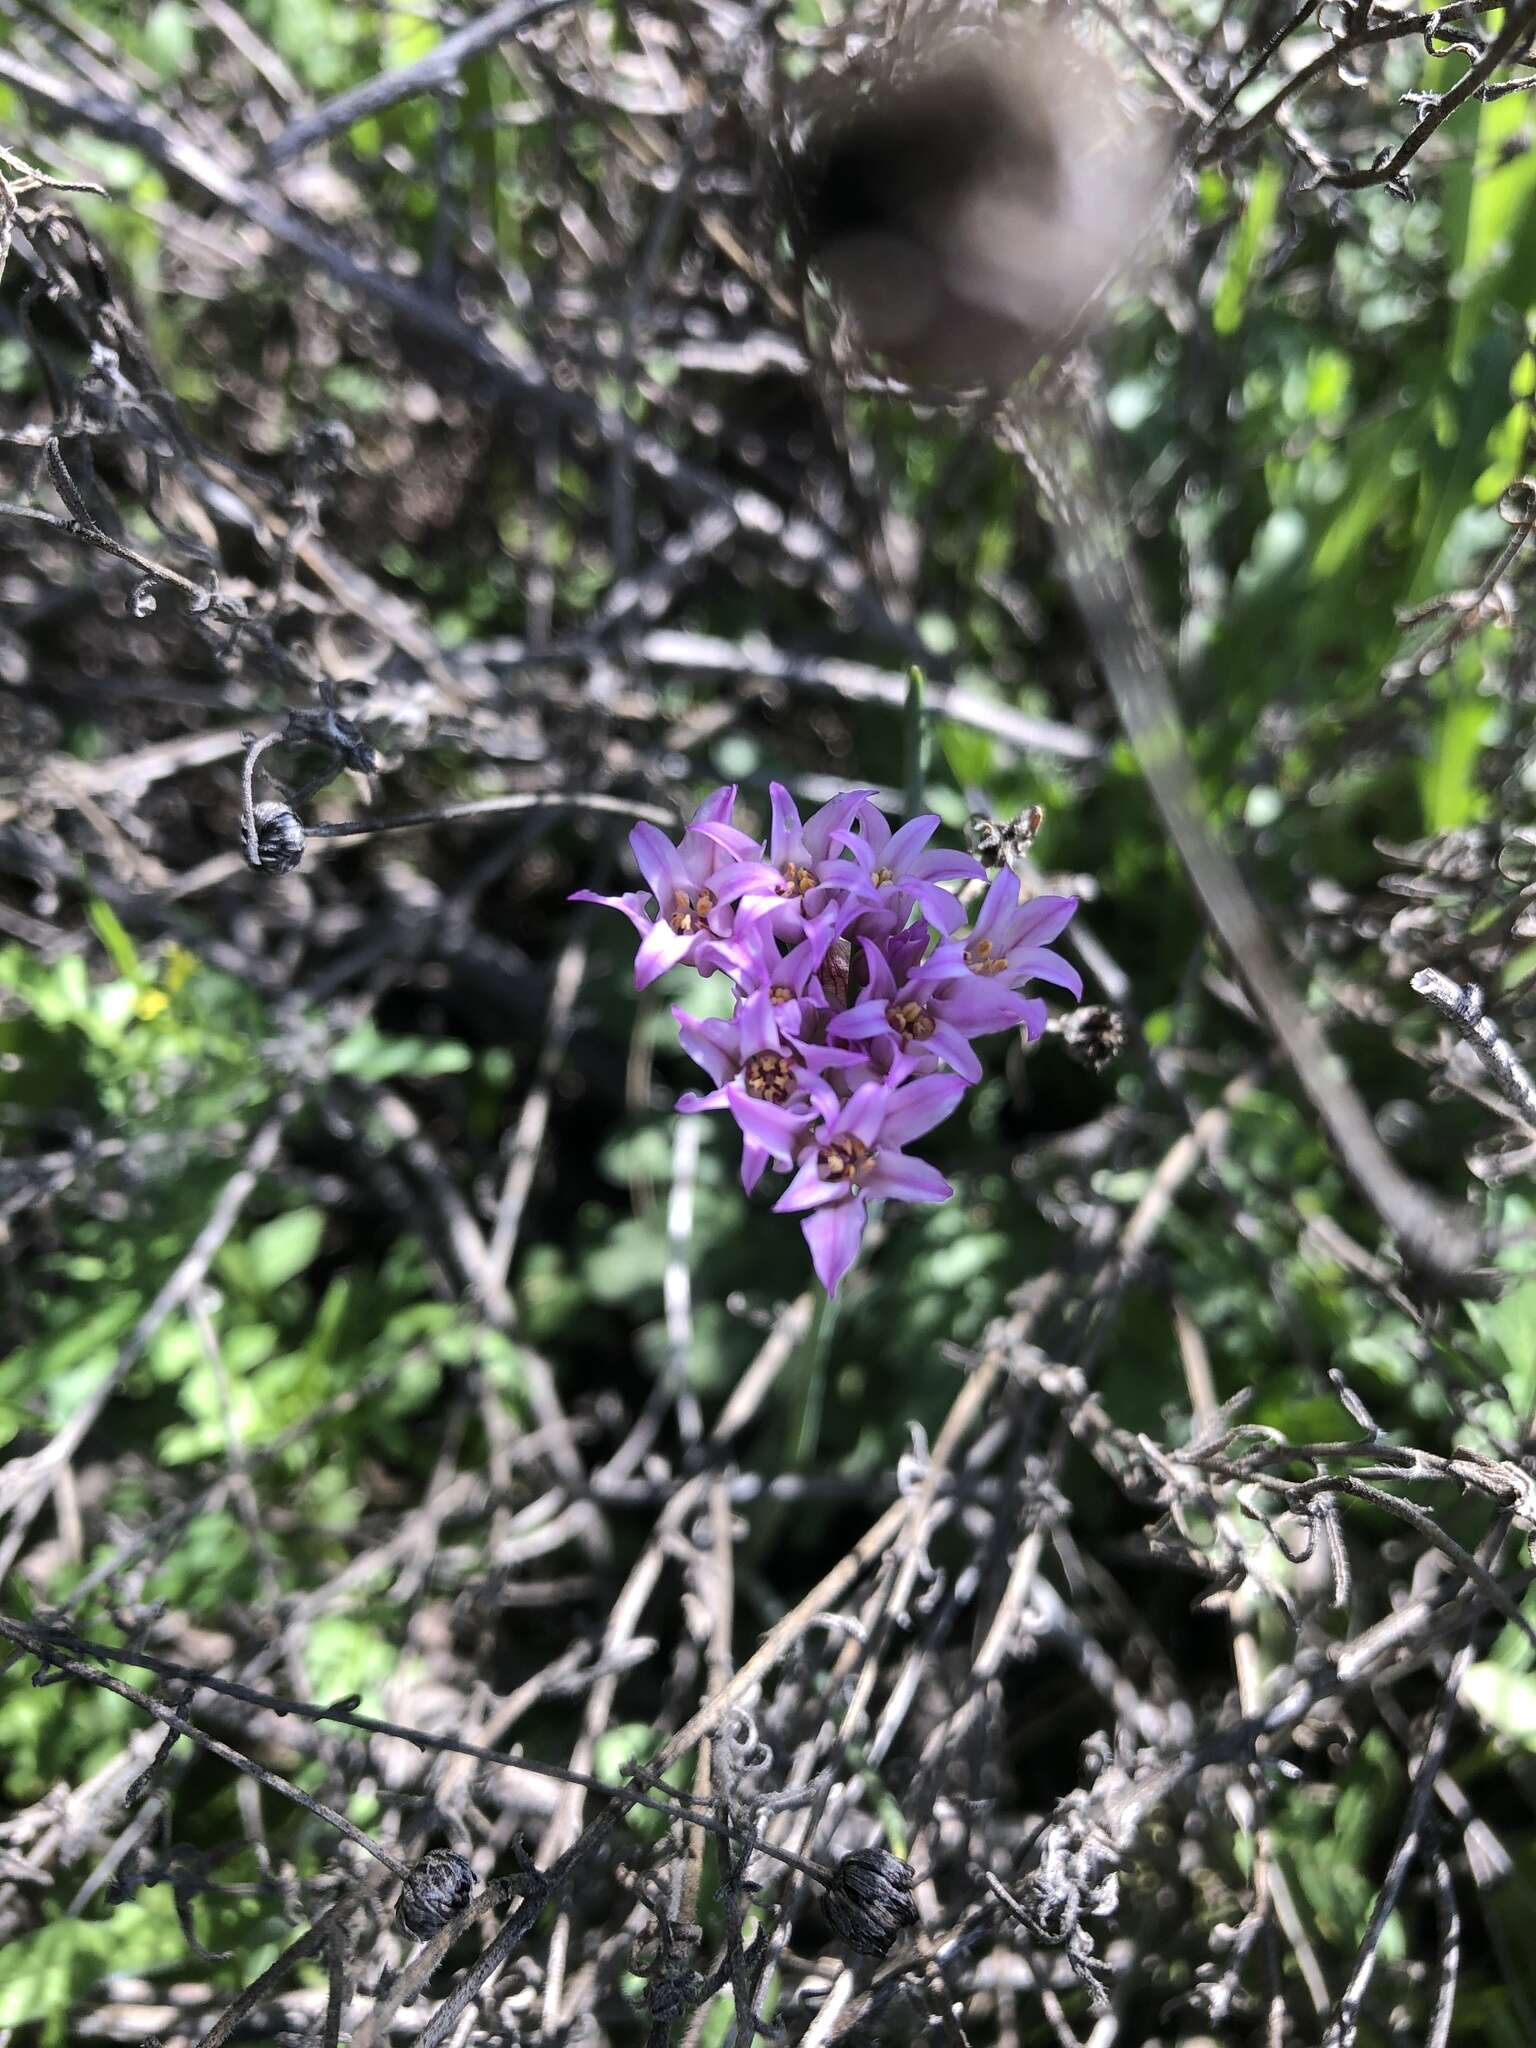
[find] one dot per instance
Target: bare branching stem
(1461, 1005)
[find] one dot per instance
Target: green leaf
(630, 1261)
(1506, 1701)
(1510, 1326)
(1448, 785)
(371, 1056)
(344, 1656)
(108, 928)
(169, 43)
(627, 1742)
(972, 755)
(1490, 261)
(1247, 245)
(276, 1252)
(635, 1742)
(46, 1972)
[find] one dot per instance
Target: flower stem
(919, 742)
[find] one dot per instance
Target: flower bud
(278, 844)
(836, 968)
(440, 1885)
(870, 1901)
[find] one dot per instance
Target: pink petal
(947, 1044)
(882, 982)
(1001, 899)
(919, 1105)
(942, 910)
(787, 832)
(809, 1191)
(833, 1236)
(631, 904)
(778, 1130)
(717, 806)
(860, 862)
(864, 1020)
(907, 1180)
(820, 1058)
(1035, 1022)
(660, 949)
(904, 846)
(692, 1102)
(945, 865)
(1041, 965)
(864, 1113)
(735, 844)
(757, 1022)
(978, 1005)
(754, 1160)
(658, 861)
(877, 830)
(832, 817)
(754, 878)
(1040, 920)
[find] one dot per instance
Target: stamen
(911, 1019)
(688, 914)
(769, 1077)
(845, 1159)
(980, 960)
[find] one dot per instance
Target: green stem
(919, 742)
(809, 1386)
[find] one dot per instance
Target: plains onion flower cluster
(859, 991)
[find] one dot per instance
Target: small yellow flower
(150, 1003)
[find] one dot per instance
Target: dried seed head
(354, 746)
(672, 1991)
(326, 444)
(440, 1886)
(1049, 1910)
(278, 846)
(870, 1901)
(998, 842)
(1095, 1035)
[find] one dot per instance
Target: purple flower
(757, 1077)
(890, 871)
(926, 1016)
(755, 959)
(855, 989)
(788, 885)
(855, 1154)
(680, 878)
(1008, 942)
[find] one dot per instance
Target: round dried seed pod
(439, 1886)
(279, 840)
(870, 1901)
(1094, 1035)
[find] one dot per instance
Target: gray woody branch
(439, 68)
(1463, 1007)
